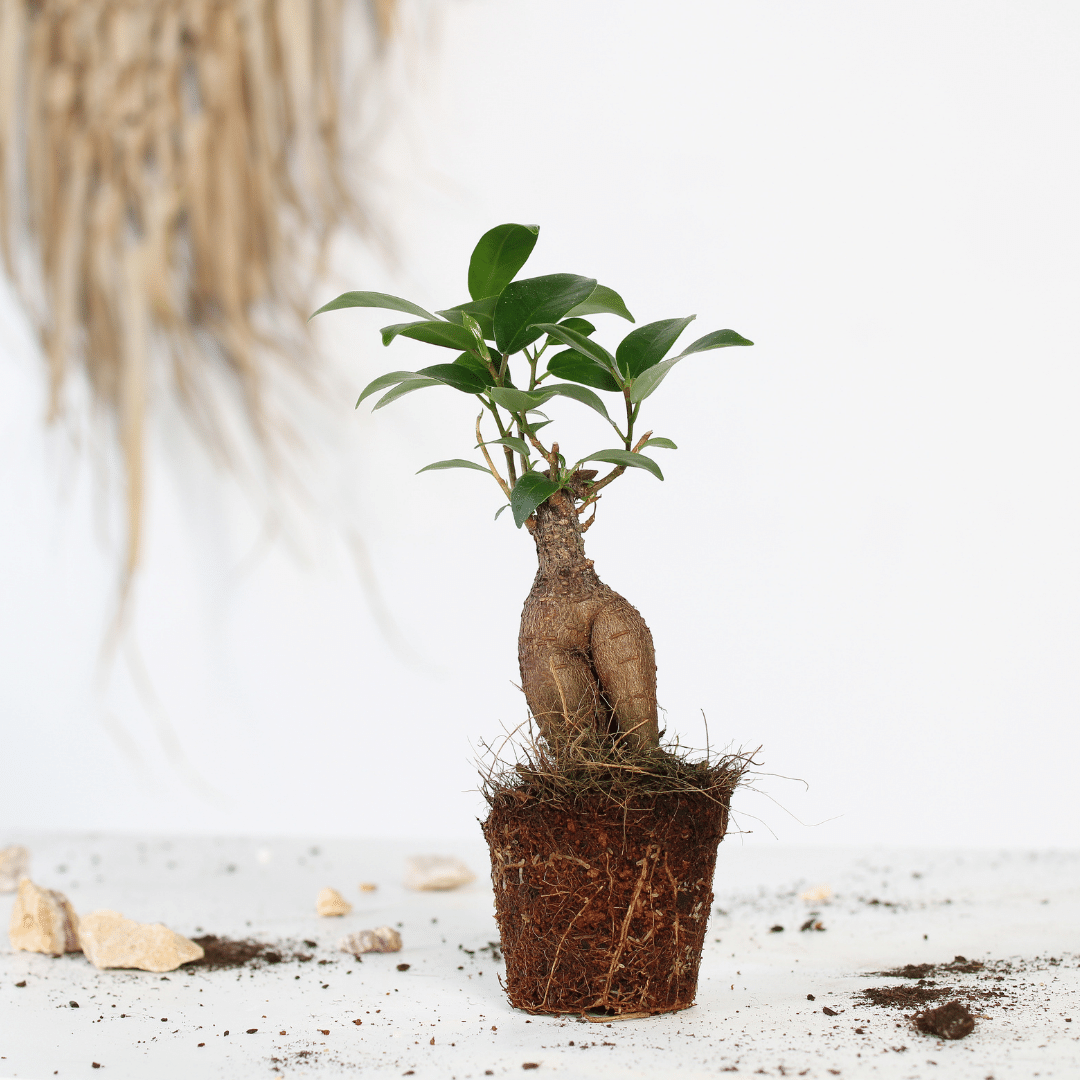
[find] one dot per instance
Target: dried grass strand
(168, 169)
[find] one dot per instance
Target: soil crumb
(904, 997)
(221, 952)
(951, 1021)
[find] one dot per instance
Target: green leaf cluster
(504, 320)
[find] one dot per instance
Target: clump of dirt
(221, 952)
(602, 907)
(904, 997)
(960, 965)
(951, 1021)
(908, 971)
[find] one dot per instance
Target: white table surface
(752, 1014)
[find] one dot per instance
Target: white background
(864, 557)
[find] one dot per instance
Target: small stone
(14, 865)
(819, 894)
(382, 939)
(111, 941)
(368, 886)
(43, 921)
(436, 872)
(331, 902)
(951, 1021)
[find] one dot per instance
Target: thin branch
(603, 482)
(642, 441)
(487, 458)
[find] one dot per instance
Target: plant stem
(487, 458)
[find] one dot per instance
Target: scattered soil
(223, 952)
(904, 997)
(602, 907)
(960, 965)
(951, 1021)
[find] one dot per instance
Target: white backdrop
(864, 557)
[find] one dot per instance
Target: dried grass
(168, 170)
(590, 764)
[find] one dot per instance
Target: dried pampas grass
(168, 171)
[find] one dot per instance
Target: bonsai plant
(603, 843)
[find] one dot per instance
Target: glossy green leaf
(581, 369)
(499, 254)
(373, 300)
(518, 400)
(648, 345)
(475, 365)
(718, 339)
(529, 492)
(582, 326)
(628, 458)
(480, 310)
(519, 446)
(458, 376)
(582, 344)
(536, 300)
(473, 327)
(383, 381)
(405, 388)
(454, 463)
(447, 334)
(647, 382)
(602, 301)
(579, 393)
(663, 444)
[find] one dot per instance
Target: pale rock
(426, 872)
(111, 941)
(368, 886)
(819, 894)
(330, 902)
(43, 921)
(382, 939)
(14, 865)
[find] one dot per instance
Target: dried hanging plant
(168, 168)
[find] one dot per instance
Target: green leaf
(663, 444)
(480, 310)
(476, 366)
(473, 327)
(581, 369)
(629, 458)
(453, 463)
(499, 254)
(718, 339)
(578, 393)
(373, 300)
(602, 301)
(529, 492)
(383, 381)
(582, 326)
(648, 345)
(506, 506)
(518, 400)
(447, 334)
(518, 445)
(647, 382)
(582, 344)
(458, 376)
(532, 429)
(405, 388)
(546, 299)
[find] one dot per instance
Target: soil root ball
(951, 1021)
(603, 904)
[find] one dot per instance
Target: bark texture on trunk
(586, 655)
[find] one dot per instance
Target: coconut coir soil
(603, 906)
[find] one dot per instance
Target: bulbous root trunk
(586, 655)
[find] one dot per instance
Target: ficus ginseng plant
(586, 654)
